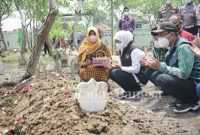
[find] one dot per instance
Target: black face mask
(178, 26)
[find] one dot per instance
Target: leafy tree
(5, 10)
(41, 37)
(57, 29)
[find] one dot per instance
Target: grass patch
(12, 60)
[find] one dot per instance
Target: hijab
(87, 47)
(125, 37)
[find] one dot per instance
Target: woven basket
(101, 60)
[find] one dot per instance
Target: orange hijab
(87, 47)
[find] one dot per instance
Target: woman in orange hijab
(88, 50)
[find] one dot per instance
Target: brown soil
(50, 107)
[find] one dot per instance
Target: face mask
(155, 43)
(126, 13)
(119, 46)
(163, 42)
(178, 26)
(188, 1)
(167, 1)
(93, 38)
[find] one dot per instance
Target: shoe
(183, 108)
(164, 94)
(175, 103)
(124, 95)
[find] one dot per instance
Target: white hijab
(125, 37)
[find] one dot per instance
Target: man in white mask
(189, 16)
(179, 73)
(159, 53)
(166, 11)
(126, 22)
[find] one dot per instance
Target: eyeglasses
(163, 35)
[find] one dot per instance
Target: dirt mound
(47, 105)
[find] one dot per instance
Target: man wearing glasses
(180, 71)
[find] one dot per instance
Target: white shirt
(136, 56)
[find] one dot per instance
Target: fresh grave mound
(49, 107)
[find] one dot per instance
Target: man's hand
(153, 63)
(143, 62)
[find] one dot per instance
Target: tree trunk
(58, 65)
(25, 35)
(2, 40)
(40, 39)
(75, 31)
(87, 25)
(49, 46)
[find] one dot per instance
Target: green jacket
(180, 61)
(159, 53)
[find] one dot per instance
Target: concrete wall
(12, 39)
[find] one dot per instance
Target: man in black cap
(180, 71)
(158, 53)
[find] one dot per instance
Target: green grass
(12, 60)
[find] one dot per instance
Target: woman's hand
(87, 62)
(115, 66)
(195, 50)
(196, 42)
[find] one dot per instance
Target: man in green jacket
(180, 71)
(158, 53)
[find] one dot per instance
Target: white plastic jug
(92, 95)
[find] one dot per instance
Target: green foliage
(6, 8)
(57, 29)
(38, 9)
(100, 9)
(145, 6)
(69, 27)
(63, 2)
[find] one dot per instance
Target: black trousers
(125, 80)
(46, 48)
(193, 30)
(184, 90)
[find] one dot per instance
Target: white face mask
(155, 43)
(167, 1)
(162, 42)
(119, 46)
(188, 1)
(93, 38)
(126, 13)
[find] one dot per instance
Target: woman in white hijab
(128, 73)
